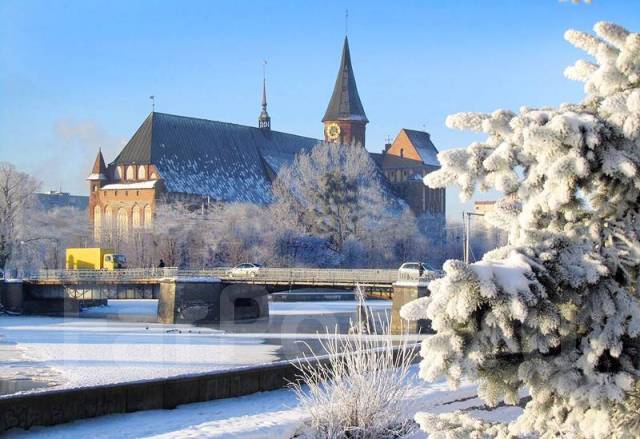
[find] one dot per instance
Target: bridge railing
(127, 274)
(312, 276)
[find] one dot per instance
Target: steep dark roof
(223, 160)
(345, 102)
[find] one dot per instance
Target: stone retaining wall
(58, 406)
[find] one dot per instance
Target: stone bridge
(199, 295)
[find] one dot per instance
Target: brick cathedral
(177, 157)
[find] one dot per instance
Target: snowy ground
(271, 415)
(106, 346)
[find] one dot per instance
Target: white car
(245, 270)
(413, 270)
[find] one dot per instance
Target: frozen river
(122, 342)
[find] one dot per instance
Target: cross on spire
(346, 22)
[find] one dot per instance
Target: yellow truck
(94, 259)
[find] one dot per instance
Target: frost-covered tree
(556, 312)
(331, 192)
(48, 233)
(337, 193)
(16, 189)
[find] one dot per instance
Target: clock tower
(345, 121)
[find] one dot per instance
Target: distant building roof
(55, 199)
(223, 160)
(345, 101)
(421, 140)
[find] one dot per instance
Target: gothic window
(148, 216)
(142, 173)
(117, 173)
(136, 217)
(401, 152)
(154, 176)
(131, 173)
(123, 222)
(97, 223)
(108, 219)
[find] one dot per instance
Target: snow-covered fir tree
(557, 312)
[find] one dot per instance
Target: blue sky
(76, 75)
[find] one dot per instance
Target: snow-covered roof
(134, 185)
(97, 177)
(426, 149)
(225, 161)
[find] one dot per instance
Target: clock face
(333, 131)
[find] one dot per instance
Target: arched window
(123, 222)
(148, 216)
(108, 218)
(97, 223)
(131, 173)
(142, 173)
(154, 176)
(401, 152)
(136, 217)
(117, 173)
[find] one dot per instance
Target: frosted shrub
(358, 392)
(557, 312)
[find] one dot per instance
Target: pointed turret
(99, 170)
(264, 121)
(345, 118)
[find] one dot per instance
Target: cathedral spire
(345, 102)
(264, 121)
(345, 120)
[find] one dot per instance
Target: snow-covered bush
(358, 391)
(557, 312)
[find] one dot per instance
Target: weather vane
(153, 103)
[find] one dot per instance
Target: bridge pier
(12, 295)
(403, 293)
(189, 300)
(243, 302)
(208, 300)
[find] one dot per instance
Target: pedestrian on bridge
(161, 264)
